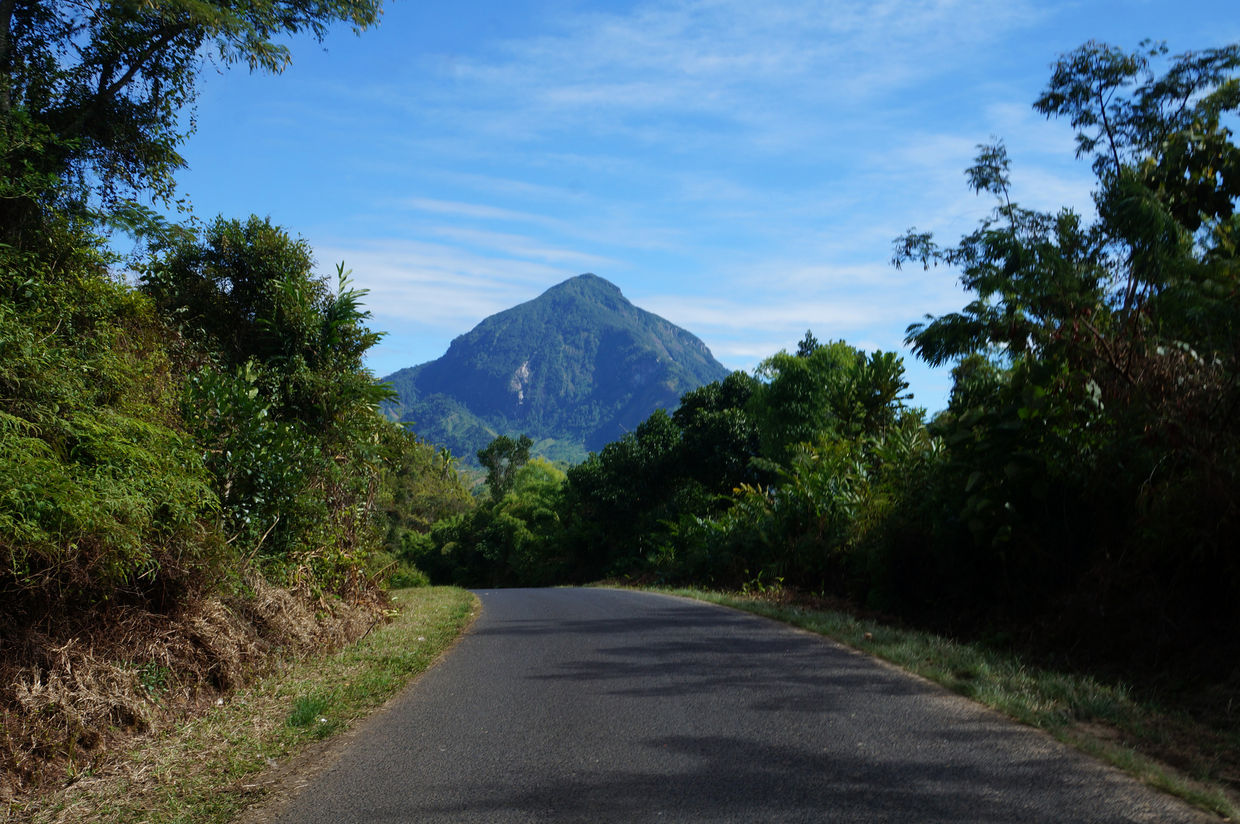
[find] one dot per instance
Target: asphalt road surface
(597, 705)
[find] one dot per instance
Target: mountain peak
(587, 282)
(577, 366)
(588, 287)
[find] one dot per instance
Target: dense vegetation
(220, 410)
(194, 446)
(1081, 488)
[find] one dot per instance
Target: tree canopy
(501, 458)
(96, 97)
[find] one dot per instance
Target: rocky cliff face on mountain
(574, 369)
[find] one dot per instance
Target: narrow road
(601, 705)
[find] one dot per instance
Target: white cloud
(507, 187)
(437, 286)
(604, 224)
(832, 317)
(471, 210)
(522, 246)
(762, 73)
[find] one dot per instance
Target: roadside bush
(105, 493)
(280, 401)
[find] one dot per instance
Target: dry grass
(210, 764)
(77, 691)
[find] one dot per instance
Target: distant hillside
(574, 369)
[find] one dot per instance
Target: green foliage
(502, 458)
(282, 405)
(749, 477)
(619, 498)
(93, 95)
(822, 520)
(830, 390)
(246, 291)
(314, 712)
(307, 710)
(421, 484)
(718, 437)
(155, 678)
(147, 460)
(420, 487)
(793, 402)
(402, 574)
(105, 493)
(511, 541)
(261, 466)
(1091, 467)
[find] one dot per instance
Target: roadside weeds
(1102, 720)
(211, 768)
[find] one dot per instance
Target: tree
(278, 395)
(619, 496)
(92, 94)
(807, 345)
(1092, 433)
(501, 459)
(717, 437)
(1169, 177)
(246, 291)
(828, 390)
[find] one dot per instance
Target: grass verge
(1103, 720)
(209, 769)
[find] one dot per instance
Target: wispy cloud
(439, 286)
(471, 210)
(759, 68)
(832, 318)
(524, 247)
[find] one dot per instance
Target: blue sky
(739, 168)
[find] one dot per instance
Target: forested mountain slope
(575, 368)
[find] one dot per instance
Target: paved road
(599, 705)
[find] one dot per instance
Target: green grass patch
(210, 769)
(314, 712)
(1101, 719)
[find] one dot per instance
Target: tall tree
(830, 389)
(1169, 177)
(1098, 442)
(501, 459)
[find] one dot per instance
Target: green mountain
(575, 368)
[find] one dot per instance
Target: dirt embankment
(75, 689)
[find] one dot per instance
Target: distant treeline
(1081, 486)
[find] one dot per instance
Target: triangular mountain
(575, 369)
